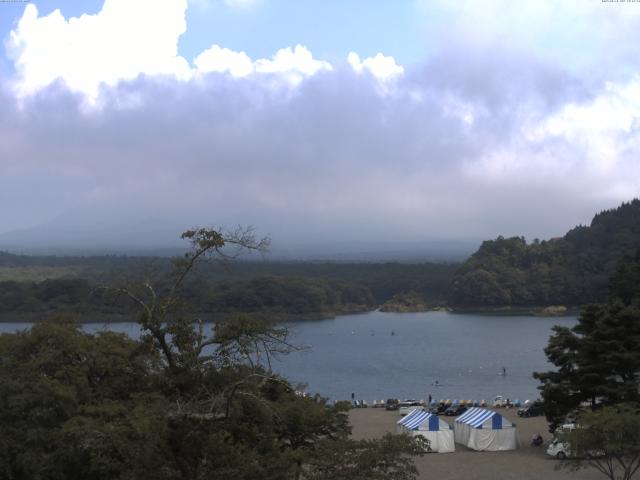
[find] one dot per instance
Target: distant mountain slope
(81, 234)
(572, 270)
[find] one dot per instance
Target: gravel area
(525, 463)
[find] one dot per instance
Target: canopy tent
(482, 429)
(430, 426)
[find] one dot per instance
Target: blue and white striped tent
(433, 428)
(483, 429)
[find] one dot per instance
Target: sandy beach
(525, 463)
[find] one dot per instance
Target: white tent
(482, 429)
(433, 428)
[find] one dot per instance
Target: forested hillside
(572, 270)
(276, 296)
(35, 286)
(271, 297)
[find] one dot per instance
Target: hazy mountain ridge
(158, 238)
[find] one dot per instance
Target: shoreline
(534, 311)
(97, 317)
(282, 317)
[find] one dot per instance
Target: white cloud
(336, 157)
(460, 109)
(217, 59)
(125, 39)
(291, 65)
(299, 60)
(617, 108)
(605, 127)
(470, 139)
(578, 34)
(382, 67)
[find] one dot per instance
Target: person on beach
(537, 440)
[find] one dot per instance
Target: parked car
(407, 406)
(562, 449)
(499, 402)
(438, 409)
(559, 449)
(534, 409)
(392, 404)
(566, 428)
(455, 410)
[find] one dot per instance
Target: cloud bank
(102, 124)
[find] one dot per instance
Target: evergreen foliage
(597, 360)
(572, 270)
(276, 290)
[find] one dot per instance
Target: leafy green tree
(180, 403)
(389, 457)
(607, 440)
(571, 270)
(62, 394)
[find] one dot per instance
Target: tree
(368, 459)
(68, 400)
(598, 365)
(572, 270)
(607, 440)
(161, 308)
(180, 403)
(597, 360)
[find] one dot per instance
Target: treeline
(55, 295)
(273, 288)
(13, 260)
(384, 280)
(572, 270)
(282, 295)
(270, 296)
(430, 280)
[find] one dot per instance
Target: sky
(320, 123)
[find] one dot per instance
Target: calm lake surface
(464, 353)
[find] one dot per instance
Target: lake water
(464, 353)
